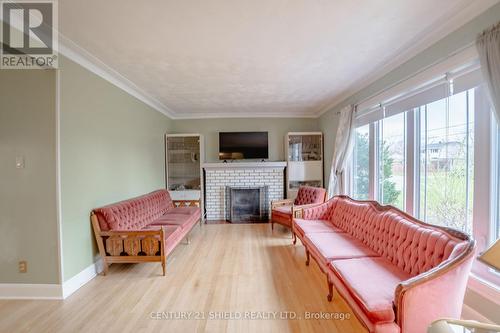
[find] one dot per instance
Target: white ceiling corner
(263, 58)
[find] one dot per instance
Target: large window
(446, 161)
(361, 166)
(391, 160)
(435, 153)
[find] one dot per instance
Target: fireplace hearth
(247, 204)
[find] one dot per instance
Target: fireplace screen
(247, 204)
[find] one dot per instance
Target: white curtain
(488, 47)
(344, 142)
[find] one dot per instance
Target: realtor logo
(28, 38)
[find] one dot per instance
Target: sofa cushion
(372, 283)
(184, 217)
(282, 215)
(332, 245)
(303, 227)
(285, 210)
(310, 195)
(135, 213)
(173, 235)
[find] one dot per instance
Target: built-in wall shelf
(304, 153)
(184, 155)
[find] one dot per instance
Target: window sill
(484, 288)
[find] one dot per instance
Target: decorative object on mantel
(456, 325)
(491, 256)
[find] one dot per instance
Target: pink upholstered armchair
(283, 211)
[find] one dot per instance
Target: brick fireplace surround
(240, 174)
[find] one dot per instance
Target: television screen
(243, 145)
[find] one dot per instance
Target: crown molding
(216, 115)
(413, 48)
(79, 55)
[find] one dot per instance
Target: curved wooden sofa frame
(404, 287)
(133, 246)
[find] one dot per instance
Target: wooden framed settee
(143, 229)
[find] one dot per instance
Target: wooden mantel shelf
(244, 165)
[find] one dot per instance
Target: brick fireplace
(242, 175)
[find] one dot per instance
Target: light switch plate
(19, 162)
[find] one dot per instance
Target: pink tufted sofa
(143, 229)
(282, 211)
(398, 274)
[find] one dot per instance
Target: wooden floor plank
(231, 270)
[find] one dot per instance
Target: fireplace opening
(247, 204)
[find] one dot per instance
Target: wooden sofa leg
(294, 238)
(330, 291)
(307, 258)
(105, 267)
(272, 225)
(164, 265)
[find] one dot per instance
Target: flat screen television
(243, 145)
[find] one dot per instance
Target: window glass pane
(446, 161)
(391, 160)
(361, 165)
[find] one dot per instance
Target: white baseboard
(30, 291)
(80, 279)
(50, 291)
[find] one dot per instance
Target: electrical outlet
(23, 266)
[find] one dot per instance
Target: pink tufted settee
(398, 274)
(282, 211)
(143, 229)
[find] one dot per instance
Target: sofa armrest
(437, 293)
(298, 210)
(284, 202)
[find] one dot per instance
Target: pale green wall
(28, 223)
(111, 149)
(277, 128)
(455, 41)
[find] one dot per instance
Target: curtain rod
(437, 62)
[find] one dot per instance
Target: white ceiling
(236, 58)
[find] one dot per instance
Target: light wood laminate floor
(227, 270)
